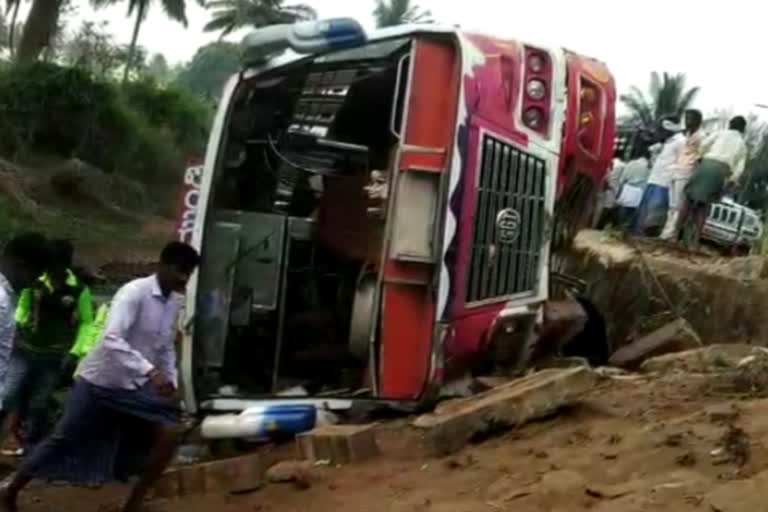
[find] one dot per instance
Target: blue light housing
(339, 33)
(305, 38)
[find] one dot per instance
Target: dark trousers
(104, 435)
(30, 384)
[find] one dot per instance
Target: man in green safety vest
(92, 335)
(54, 319)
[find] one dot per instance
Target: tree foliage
(667, 95)
(389, 13)
(231, 15)
(157, 70)
(93, 49)
(174, 9)
(209, 69)
(142, 131)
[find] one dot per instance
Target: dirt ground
(632, 445)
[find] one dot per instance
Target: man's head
(641, 150)
(177, 262)
(693, 120)
(739, 124)
(62, 253)
(25, 258)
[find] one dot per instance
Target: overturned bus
(375, 209)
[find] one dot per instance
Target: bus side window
(732, 217)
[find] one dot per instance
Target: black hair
(696, 115)
(31, 249)
(182, 255)
(62, 252)
(641, 150)
(738, 123)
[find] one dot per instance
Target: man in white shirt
(632, 186)
(681, 171)
(607, 209)
(652, 212)
(723, 157)
(122, 416)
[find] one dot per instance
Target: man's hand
(162, 384)
(68, 368)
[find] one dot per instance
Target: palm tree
(12, 6)
(398, 12)
(3, 32)
(41, 25)
(174, 9)
(667, 96)
(230, 15)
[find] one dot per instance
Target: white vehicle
(732, 225)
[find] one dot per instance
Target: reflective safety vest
(93, 334)
(92, 337)
(50, 320)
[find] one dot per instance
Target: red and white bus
(373, 207)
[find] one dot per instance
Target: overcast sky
(720, 46)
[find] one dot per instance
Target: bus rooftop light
(306, 37)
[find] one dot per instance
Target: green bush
(143, 132)
(173, 110)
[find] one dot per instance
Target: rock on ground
(673, 337)
(453, 424)
(338, 444)
(711, 359)
(740, 495)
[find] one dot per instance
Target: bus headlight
(536, 63)
(536, 89)
(533, 118)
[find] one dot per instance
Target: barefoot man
(122, 417)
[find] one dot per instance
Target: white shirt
(139, 337)
(636, 173)
(727, 147)
(614, 183)
(7, 324)
(661, 172)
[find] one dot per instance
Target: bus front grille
(509, 224)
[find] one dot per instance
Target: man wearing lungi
(723, 157)
(122, 417)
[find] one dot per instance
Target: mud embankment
(638, 288)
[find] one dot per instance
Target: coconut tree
(174, 9)
(667, 95)
(12, 7)
(41, 25)
(230, 15)
(3, 31)
(389, 13)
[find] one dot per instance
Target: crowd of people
(121, 417)
(667, 186)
